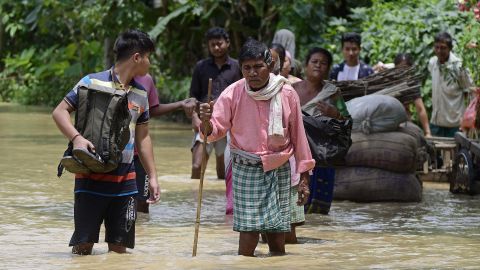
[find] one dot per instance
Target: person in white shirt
(450, 84)
(352, 67)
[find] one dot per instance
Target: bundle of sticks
(402, 83)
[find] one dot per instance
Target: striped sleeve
(72, 97)
(143, 118)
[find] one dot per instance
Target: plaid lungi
(298, 214)
(261, 199)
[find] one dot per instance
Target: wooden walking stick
(202, 174)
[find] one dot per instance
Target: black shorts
(119, 214)
(142, 180)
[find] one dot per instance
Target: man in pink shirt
(262, 114)
(155, 109)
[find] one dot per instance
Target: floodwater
(36, 209)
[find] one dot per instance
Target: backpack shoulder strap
(82, 108)
(107, 90)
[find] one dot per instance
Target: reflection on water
(443, 231)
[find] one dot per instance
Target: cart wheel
(463, 173)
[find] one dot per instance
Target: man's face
(256, 73)
(351, 52)
(317, 66)
(218, 47)
(142, 63)
(442, 51)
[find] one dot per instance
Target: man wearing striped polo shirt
(109, 197)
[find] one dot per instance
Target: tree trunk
(108, 57)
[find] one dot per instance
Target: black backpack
(103, 118)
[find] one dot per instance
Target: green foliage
(180, 30)
(174, 88)
(392, 27)
(69, 38)
(402, 26)
(336, 27)
(17, 75)
(469, 42)
(163, 21)
(297, 14)
(46, 46)
(318, 22)
(66, 38)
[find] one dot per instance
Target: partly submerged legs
(82, 249)
(116, 248)
(247, 243)
(291, 237)
(86, 248)
(197, 157)
(276, 243)
(220, 149)
(220, 167)
(262, 208)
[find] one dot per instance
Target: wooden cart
(439, 167)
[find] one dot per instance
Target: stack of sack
(385, 153)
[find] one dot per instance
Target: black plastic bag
(329, 139)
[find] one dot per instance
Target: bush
(469, 40)
(402, 26)
(47, 46)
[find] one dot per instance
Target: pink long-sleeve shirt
(247, 121)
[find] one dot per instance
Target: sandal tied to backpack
(103, 118)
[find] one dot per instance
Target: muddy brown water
(36, 209)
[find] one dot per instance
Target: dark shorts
(439, 131)
(119, 214)
(142, 180)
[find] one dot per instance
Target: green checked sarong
(261, 199)
(298, 214)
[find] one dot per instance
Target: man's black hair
(281, 52)
(323, 51)
(130, 42)
(444, 37)
(254, 49)
(403, 57)
(216, 32)
(352, 37)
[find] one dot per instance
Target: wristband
(73, 138)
